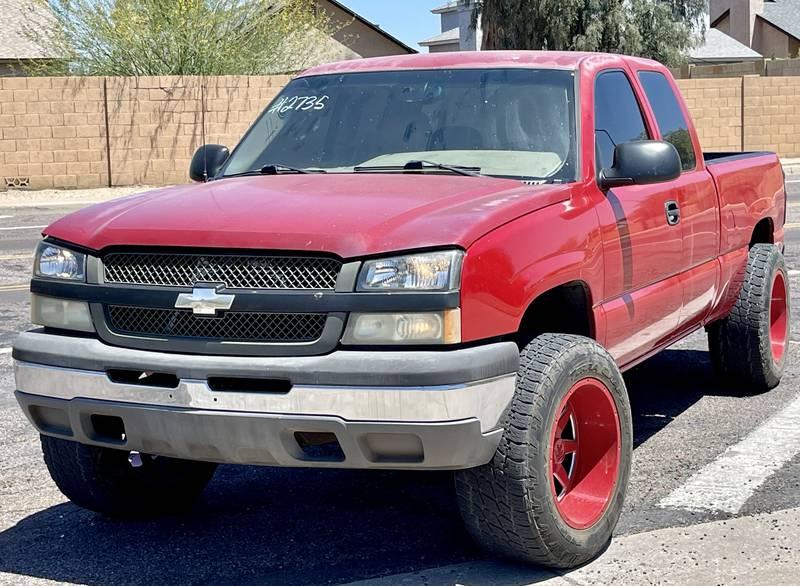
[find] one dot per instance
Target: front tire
(554, 490)
(103, 480)
(748, 347)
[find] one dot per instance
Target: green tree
(660, 29)
(183, 37)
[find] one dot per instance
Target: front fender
(507, 269)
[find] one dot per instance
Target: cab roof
(570, 60)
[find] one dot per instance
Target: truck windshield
(517, 123)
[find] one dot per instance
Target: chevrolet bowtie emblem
(204, 301)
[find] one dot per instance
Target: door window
(617, 116)
(671, 121)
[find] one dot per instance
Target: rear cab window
(617, 116)
(669, 116)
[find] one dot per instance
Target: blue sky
(409, 20)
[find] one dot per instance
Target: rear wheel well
(565, 309)
(763, 233)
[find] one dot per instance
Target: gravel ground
(21, 197)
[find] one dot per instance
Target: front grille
(231, 326)
(235, 271)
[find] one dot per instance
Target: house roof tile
(784, 14)
(719, 47)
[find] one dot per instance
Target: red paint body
(648, 283)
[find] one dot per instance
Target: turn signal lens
(62, 314)
(404, 328)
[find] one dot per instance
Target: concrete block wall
(765, 67)
(716, 106)
(782, 67)
(53, 130)
(772, 115)
(771, 119)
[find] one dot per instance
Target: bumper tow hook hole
(107, 428)
(320, 446)
(143, 378)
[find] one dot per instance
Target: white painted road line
(9, 228)
(51, 203)
(12, 287)
(726, 483)
(794, 273)
(5, 217)
(5, 350)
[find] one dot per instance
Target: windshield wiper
(422, 166)
(275, 169)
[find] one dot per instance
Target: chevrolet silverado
(425, 262)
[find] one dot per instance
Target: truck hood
(348, 215)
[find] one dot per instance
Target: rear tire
(748, 347)
(568, 436)
(104, 481)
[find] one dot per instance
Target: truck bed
(713, 158)
(750, 185)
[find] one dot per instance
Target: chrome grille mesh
(235, 271)
(231, 326)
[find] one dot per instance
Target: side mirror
(207, 162)
(641, 162)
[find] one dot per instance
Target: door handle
(673, 213)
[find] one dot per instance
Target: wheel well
(763, 233)
(565, 309)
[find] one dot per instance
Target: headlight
(55, 262)
(442, 327)
(427, 271)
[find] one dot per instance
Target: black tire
(740, 344)
(102, 479)
(509, 505)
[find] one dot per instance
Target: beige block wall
(716, 106)
(772, 114)
(157, 123)
(52, 132)
(234, 103)
(154, 126)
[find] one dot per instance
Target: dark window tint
(668, 113)
(617, 117)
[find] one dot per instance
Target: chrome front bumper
(65, 390)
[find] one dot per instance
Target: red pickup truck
(427, 262)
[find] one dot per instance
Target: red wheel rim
(585, 453)
(778, 318)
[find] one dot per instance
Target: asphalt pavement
(277, 526)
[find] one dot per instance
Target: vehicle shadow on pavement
(294, 526)
(665, 386)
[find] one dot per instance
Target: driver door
(642, 250)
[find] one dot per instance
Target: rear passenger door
(643, 252)
(695, 198)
